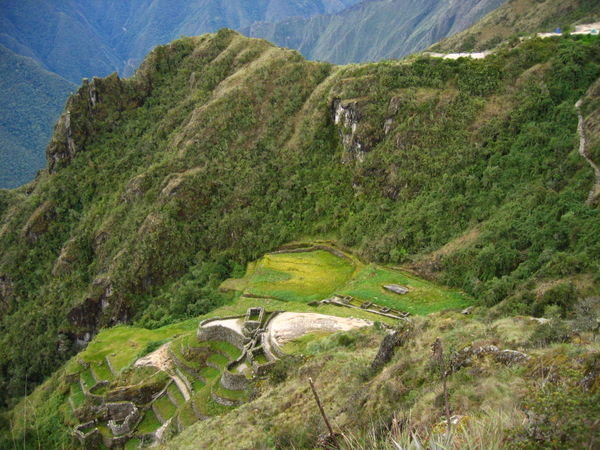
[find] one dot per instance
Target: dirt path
(475, 55)
(583, 151)
(160, 359)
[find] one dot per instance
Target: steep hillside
(85, 38)
(222, 148)
(30, 100)
(521, 17)
(374, 30)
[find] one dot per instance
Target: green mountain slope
(222, 148)
(30, 100)
(374, 30)
(77, 39)
(521, 17)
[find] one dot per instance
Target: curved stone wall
(220, 333)
(234, 381)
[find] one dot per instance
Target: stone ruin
(256, 356)
(347, 301)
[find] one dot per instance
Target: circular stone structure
(288, 326)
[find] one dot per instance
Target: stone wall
(126, 413)
(220, 333)
(234, 381)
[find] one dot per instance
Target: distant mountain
(30, 100)
(85, 38)
(374, 30)
(521, 17)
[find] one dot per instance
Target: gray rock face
(388, 347)
(396, 289)
(347, 117)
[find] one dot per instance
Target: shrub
(550, 332)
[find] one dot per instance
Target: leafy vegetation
(30, 100)
(221, 149)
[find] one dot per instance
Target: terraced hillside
(222, 148)
(132, 386)
(315, 271)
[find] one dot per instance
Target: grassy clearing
(205, 403)
(101, 371)
(315, 275)
(424, 297)
(187, 416)
(122, 344)
(218, 360)
(299, 346)
(176, 394)
(77, 395)
(149, 424)
(297, 277)
(133, 444)
(88, 378)
(209, 373)
(165, 407)
(228, 393)
(231, 351)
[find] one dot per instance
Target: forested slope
(223, 147)
(30, 100)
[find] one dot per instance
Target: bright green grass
(299, 345)
(176, 394)
(77, 395)
(205, 403)
(424, 297)
(218, 360)
(260, 358)
(298, 277)
(165, 407)
(133, 444)
(187, 416)
(209, 373)
(88, 378)
(223, 392)
(231, 351)
(101, 371)
(197, 385)
(122, 344)
(149, 424)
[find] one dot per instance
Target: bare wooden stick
(331, 434)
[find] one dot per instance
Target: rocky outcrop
(594, 193)
(388, 347)
(467, 355)
(100, 308)
(396, 289)
(39, 222)
(347, 116)
(85, 111)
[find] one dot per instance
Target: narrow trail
(583, 151)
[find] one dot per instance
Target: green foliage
(563, 296)
(550, 332)
(30, 100)
(222, 148)
(561, 415)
